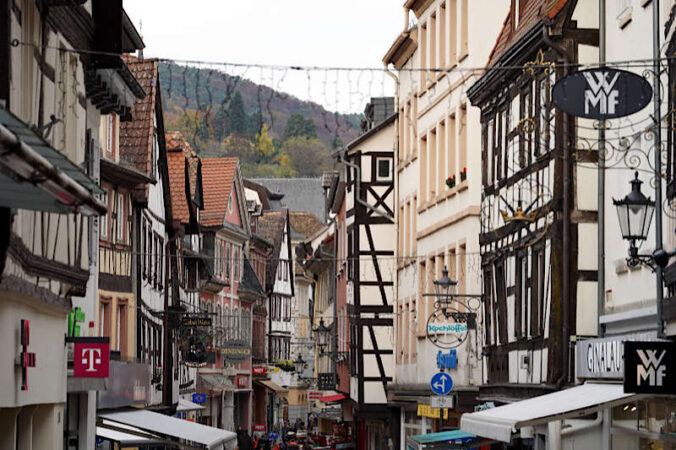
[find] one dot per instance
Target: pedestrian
(244, 441)
(298, 425)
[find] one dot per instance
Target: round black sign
(602, 93)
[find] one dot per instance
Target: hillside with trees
(274, 134)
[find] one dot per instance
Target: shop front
(627, 402)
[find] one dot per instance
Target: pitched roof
(250, 282)
(136, 135)
(271, 228)
(300, 194)
(217, 177)
(305, 224)
(531, 13)
(176, 164)
(262, 191)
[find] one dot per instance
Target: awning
(167, 426)
(499, 423)
(35, 176)
(125, 435)
(274, 387)
(216, 383)
(452, 439)
(187, 405)
(332, 398)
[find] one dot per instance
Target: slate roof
(532, 12)
(217, 177)
(250, 282)
(271, 228)
(136, 135)
(300, 194)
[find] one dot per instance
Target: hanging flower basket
(463, 174)
(450, 181)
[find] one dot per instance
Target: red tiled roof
(136, 136)
(532, 11)
(179, 151)
(217, 177)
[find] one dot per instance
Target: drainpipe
(566, 221)
(601, 221)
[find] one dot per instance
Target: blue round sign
(441, 383)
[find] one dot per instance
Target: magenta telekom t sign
(91, 358)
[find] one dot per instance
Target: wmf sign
(650, 367)
(602, 93)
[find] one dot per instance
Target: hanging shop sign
(259, 370)
(650, 367)
(602, 93)
(447, 360)
(91, 357)
(314, 395)
(196, 354)
(448, 327)
(25, 359)
(604, 357)
(194, 321)
(259, 427)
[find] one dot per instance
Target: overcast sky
(327, 33)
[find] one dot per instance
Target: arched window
(227, 322)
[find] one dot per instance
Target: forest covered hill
(274, 134)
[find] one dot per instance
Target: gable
(233, 215)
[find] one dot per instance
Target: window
(423, 56)
(218, 252)
(441, 157)
(432, 164)
(423, 170)
(120, 216)
(501, 300)
(285, 267)
(384, 169)
(104, 217)
(227, 262)
(488, 305)
(236, 276)
(521, 298)
(453, 30)
(442, 35)
(109, 134)
(464, 29)
(450, 158)
(104, 317)
(122, 327)
(144, 266)
(538, 289)
(433, 46)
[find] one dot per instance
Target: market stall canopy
(35, 176)
(499, 423)
(166, 426)
(452, 439)
(187, 405)
(274, 387)
(125, 435)
(332, 398)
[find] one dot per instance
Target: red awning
(332, 398)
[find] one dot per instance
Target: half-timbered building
(51, 99)
(365, 257)
(538, 217)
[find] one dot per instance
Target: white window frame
(103, 224)
(109, 133)
(389, 163)
(120, 218)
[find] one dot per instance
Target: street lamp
(444, 286)
(299, 364)
(322, 333)
(635, 212)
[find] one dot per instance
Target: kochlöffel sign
(602, 93)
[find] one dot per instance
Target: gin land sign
(602, 93)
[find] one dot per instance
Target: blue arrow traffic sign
(441, 383)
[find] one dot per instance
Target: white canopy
(133, 438)
(163, 425)
(187, 405)
(499, 423)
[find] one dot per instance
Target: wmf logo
(601, 93)
(650, 369)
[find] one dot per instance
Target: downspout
(168, 347)
(566, 222)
